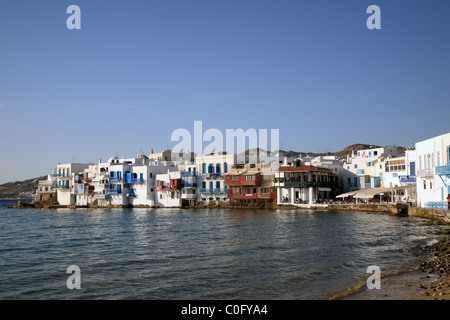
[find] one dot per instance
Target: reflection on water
(200, 254)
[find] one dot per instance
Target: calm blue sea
(201, 254)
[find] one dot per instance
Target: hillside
(20, 189)
(354, 147)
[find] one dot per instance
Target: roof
(370, 193)
(304, 169)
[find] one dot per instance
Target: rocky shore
(438, 264)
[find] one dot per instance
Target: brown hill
(20, 189)
(354, 147)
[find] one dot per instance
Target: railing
(425, 173)
(115, 179)
(113, 191)
(188, 174)
(188, 185)
(213, 175)
(135, 180)
(437, 204)
(167, 188)
(60, 187)
(212, 191)
(310, 184)
(100, 196)
(264, 195)
(443, 170)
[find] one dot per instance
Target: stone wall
(429, 213)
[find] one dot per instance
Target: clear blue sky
(137, 70)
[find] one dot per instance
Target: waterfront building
(45, 190)
(252, 181)
(305, 184)
(211, 169)
(65, 182)
(334, 163)
(189, 190)
(83, 186)
(355, 166)
(433, 171)
(168, 189)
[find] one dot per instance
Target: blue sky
(138, 70)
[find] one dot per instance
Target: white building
(211, 169)
(433, 171)
(354, 168)
(168, 189)
(65, 182)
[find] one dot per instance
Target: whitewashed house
(355, 175)
(65, 182)
(168, 189)
(211, 175)
(433, 171)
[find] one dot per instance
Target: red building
(249, 185)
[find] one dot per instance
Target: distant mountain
(20, 189)
(354, 148)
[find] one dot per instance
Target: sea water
(207, 253)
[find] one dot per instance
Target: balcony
(310, 184)
(213, 175)
(188, 174)
(443, 170)
(113, 191)
(115, 179)
(188, 185)
(213, 191)
(167, 188)
(60, 187)
(425, 173)
(135, 180)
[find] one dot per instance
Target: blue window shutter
(225, 167)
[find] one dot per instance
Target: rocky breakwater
(238, 204)
(438, 264)
(50, 203)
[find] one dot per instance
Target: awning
(324, 189)
(370, 193)
(345, 195)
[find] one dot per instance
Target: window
(356, 166)
(375, 153)
(204, 167)
(225, 167)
